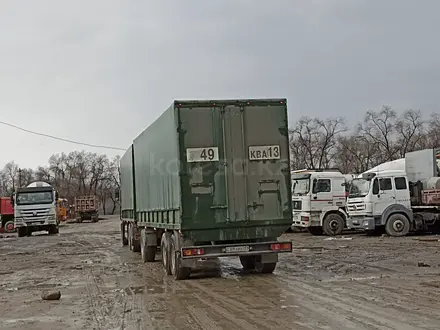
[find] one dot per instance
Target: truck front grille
(34, 215)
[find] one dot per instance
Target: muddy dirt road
(362, 283)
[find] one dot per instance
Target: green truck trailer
(209, 179)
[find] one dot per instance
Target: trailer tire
(248, 262)
(397, 225)
(124, 240)
(267, 268)
(315, 231)
(333, 224)
(148, 253)
(178, 272)
(135, 244)
(165, 247)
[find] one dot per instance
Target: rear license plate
(231, 249)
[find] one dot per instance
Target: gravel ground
(352, 282)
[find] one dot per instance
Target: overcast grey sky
(100, 71)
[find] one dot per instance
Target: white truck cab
(318, 201)
(374, 197)
(35, 209)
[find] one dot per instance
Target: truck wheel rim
(10, 227)
(398, 225)
(334, 225)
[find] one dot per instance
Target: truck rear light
(281, 246)
(305, 219)
(193, 252)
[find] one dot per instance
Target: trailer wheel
(165, 251)
(148, 253)
(9, 226)
(22, 231)
(333, 224)
(397, 225)
(179, 272)
(135, 244)
(264, 268)
(130, 238)
(248, 262)
(315, 231)
(124, 240)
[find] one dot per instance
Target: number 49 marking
(209, 154)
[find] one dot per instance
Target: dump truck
(35, 209)
(209, 179)
(86, 208)
(318, 200)
(6, 215)
(399, 201)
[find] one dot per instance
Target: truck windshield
(30, 198)
(301, 186)
(359, 188)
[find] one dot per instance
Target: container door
(236, 169)
(203, 178)
(383, 195)
(257, 157)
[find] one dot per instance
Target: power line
(58, 138)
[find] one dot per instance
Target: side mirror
(117, 194)
(12, 199)
(56, 195)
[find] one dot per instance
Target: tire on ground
(148, 253)
(397, 225)
(267, 268)
(9, 226)
(248, 262)
(165, 246)
(178, 272)
(124, 240)
(333, 224)
(22, 231)
(136, 244)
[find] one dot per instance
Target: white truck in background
(35, 209)
(318, 200)
(399, 200)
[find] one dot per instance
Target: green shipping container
(215, 171)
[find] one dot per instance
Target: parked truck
(35, 209)
(6, 215)
(399, 201)
(209, 179)
(86, 208)
(318, 200)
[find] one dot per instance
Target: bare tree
(379, 128)
(410, 132)
(313, 141)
